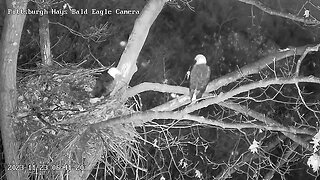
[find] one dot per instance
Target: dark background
(229, 33)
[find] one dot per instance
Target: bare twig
(267, 120)
(283, 160)
(228, 171)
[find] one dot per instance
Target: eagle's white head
(114, 72)
(200, 59)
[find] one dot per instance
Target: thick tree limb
(147, 86)
(127, 64)
(137, 119)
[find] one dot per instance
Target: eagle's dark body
(199, 79)
(106, 82)
(104, 85)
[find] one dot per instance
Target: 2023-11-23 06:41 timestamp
(42, 167)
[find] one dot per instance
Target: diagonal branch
(127, 64)
(270, 11)
(263, 83)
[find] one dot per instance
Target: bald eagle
(199, 77)
(106, 82)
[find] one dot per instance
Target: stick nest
(53, 123)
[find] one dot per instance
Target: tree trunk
(10, 40)
(45, 45)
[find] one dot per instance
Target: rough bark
(10, 40)
(45, 45)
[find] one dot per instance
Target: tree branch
(283, 160)
(147, 86)
(261, 117)
(233, 76)
(270, 11)
(263, 83)
(127, 64)
(137, 119)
